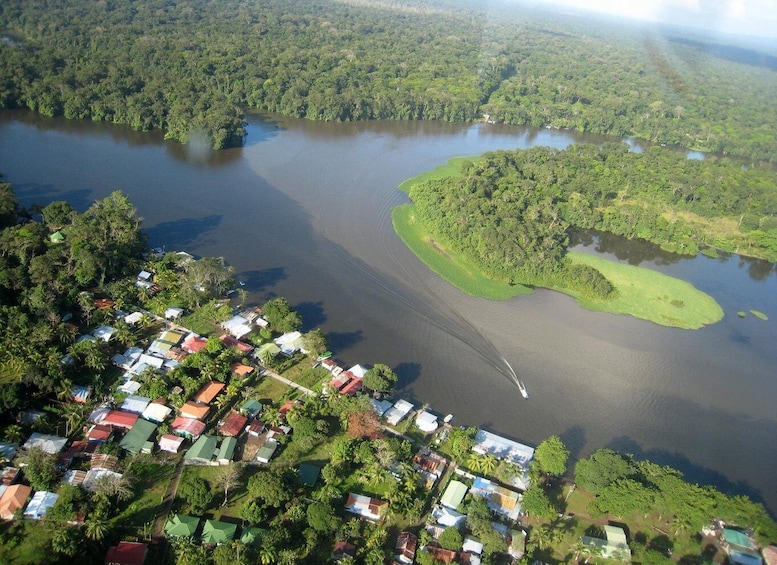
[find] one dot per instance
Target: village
(206, 446)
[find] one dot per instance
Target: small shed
(157, 412)
(104, 333)
(173, 313)
(187, 427)
(126, 553)
(267, 451)
(170, 443)
(202, 452)
(251, 408)
(226, 451)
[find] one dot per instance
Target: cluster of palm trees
(485, 464)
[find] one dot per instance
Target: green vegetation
(650, 295)
(190, 67)
(759, 315)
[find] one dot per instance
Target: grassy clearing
(650, 295)
(452, 167)
(150, 485)
(460, 273)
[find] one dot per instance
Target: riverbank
(642, 293)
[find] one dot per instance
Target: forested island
(340, 482)
(191, 67)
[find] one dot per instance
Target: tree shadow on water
(256, 281)
(407, 373)
(312, 314)
(342, 341)
(182, 233)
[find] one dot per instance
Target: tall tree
(551, 456)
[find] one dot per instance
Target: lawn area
(452, 167)
(25, 543)
(270, 390)
(150, 482)
(304, 374)
(650, 295)
(460, 273)
(199, 323)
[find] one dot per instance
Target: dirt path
(167, 501)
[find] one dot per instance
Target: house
(96, 476)
(194, 410)
(170, 443)
(499, 499)
(126, 553)
(614, 547)
(406, 546)
(289, 342)
(233, 424)
(134, 318)
(187, 427)
(136, 438)
(7, 450)
(241, 370)
(100, 433)
(267, 350)
(157, 412)
(104, 461)
(208, 392)
(216, 532)
(426, 421)
(251, 408)
(447, 517)
(135, 404)
(255, 428)
(81, 448)
(104, 333)
(130, 387)
(182, 526)
(454, 495)
(202, 452)
(331, 366)
(487, 443)
(194, 343)
(266, 452)
(57, 237)
(472, 545)
(741, 548)
(74, 477)
(440, 554)
(343, 550)
(13, 499)
(237, 326)
(380, 406)
(173, 313)
(516, 543)
(226, 451)
(396, 414)
(365, 507)
(46, 443)
(81, 393)
(39, 505)
(339, 381)
(358, 371)
(352, 387)
(230, 341)
(251, 536)
(120, 419)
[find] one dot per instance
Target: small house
(157, 412)
(194, 410)
(226, 451)
(233, 425)
(187, 427)
(13, 499)
(406, 546)
(216, 532)
(182, 526)
(203, 452)
(251, 408)
(135, 404)
(267, 451)
(173, 313)
(615, 546)
(366, 507)
(426, 421)
(39, 505)
(208, 392)
(120, 419)
(136, 438)
(104, 333)
(126, 553)
(99, 433)
(46, 443)
(454, 495)
(170, 443)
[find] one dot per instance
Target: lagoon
(304, 211)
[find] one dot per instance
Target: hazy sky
(746, 17)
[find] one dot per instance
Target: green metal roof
(138, 435)
(227, 449)
(454, 494)
(308, 473)
(180, 525)
(204, 448)
(252, 536)
(251, 406)
(735, 537)
(215, 532)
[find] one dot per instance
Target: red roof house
(233, 424)
(99, 432)
(120, 419)
(230, 341)
(352, 387)
(208, 392)
(188, 427)
(126, 553)
(194, 343)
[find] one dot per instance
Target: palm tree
(13, 433)
(475, 462)
(95, 529)
(578, 548)
(488, 464)
(267, 554)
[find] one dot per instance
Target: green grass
(650, 295)
(150, 485)
(452, 167)
(759, 315)
(304, 374)
(460, 273)
(642, 293)
(199, 323)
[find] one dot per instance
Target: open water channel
(304, 211)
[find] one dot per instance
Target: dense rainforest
(192, 66)
(510, 211)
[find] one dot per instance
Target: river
(304, 211)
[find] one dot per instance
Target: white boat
(448, 418)
(522, 388)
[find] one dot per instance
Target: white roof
(156, 412)
(447, 517)
(133, 353)
(173, 312)
(403, 406)
(104, 333)
(503, 448)
(238, 326)
(144, 275)
(136, 404)
(358, 371)
(121, 361)
(99, 414)
(288, 338)
(261, 322)
(152, 360)
(130, 387)
(426, 421)
(48, 443)
(133, 318)
(87, 337)
(40, 503)
(380, 406)
(472, 545)
(170, 443)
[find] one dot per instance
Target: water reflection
(633, 251)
